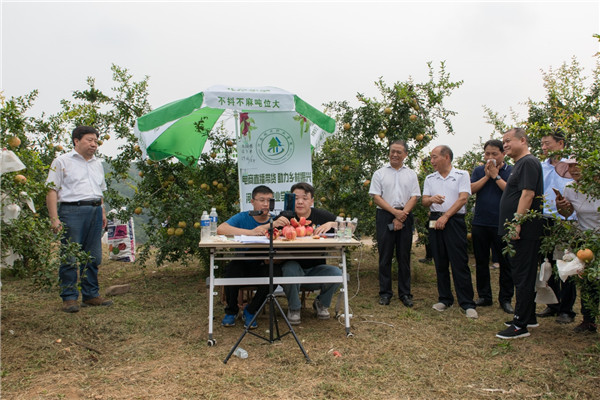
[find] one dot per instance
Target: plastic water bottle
(241, 353)
(348, 231)
(354, 223)
(214, 218)
(205, 224)
(341, 228)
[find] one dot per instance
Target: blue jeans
(293, 268)
(83, 225)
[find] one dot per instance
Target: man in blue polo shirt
(252, 225)
(488, 182)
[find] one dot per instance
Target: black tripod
(272, 302)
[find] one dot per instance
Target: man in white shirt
(75, 206)
(446, 192)
(395, 190)
(566, 292)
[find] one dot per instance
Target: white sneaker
(439, 307)
(293, 317)
(471, 313)
(322, 312)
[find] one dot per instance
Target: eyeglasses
(262, 199)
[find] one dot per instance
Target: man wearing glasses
(252, 225)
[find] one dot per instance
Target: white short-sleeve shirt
(74, 178)
(585, 207)
(457, 181)
(395, 186)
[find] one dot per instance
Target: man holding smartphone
(554, 184)
(395, 190)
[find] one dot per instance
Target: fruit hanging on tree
(585, 255)
(14, 141)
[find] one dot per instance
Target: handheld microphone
(255, 213)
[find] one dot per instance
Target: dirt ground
(152, 344)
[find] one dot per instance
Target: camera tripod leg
(272, 322)
(291, 330)
(271, 299)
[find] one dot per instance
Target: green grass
(152, 344)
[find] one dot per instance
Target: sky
(321, 51)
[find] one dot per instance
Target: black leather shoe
(483, 302)
(548, 312)
(564, 318)
(507, 307)
(585, 327)
(407, 301)
(384, 300)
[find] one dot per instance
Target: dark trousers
(524, 271)
(566, 292)
(495, 257)
(484, 238)
(240, 268)
(590, 298)
(388, 242)
(428, 254)
(449, 248)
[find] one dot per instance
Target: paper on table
(251, 239)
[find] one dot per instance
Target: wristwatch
(497, 178)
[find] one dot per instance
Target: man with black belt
(395, 190)
(523, 192)
(78, 181)
(488, 181)
(446, 192)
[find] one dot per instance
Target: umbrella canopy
(180, 129)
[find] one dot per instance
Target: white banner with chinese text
(273, 150)
(262, 98)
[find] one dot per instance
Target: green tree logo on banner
(275, 146)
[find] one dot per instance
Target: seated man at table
(245, 224)
(323, 221)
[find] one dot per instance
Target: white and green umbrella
(180, 129)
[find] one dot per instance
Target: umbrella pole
(236, 123)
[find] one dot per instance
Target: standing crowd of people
(505, 195)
